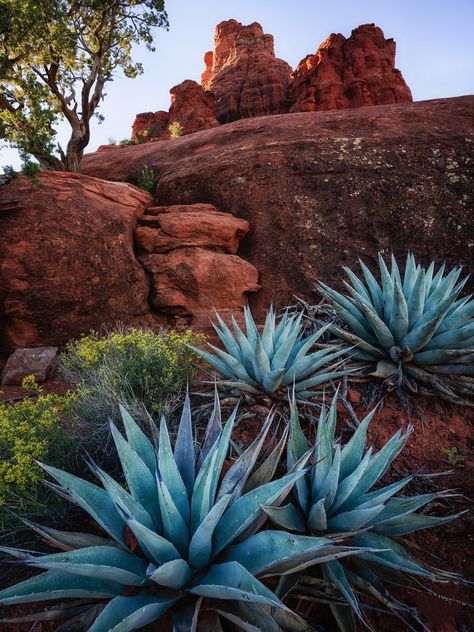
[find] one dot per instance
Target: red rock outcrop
(200, 225)
(67, 263)
(321, 189)
(243, 73)
(349, 73)
(148, 125)
(192, 107)
(186, 257)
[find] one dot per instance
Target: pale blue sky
(435, 48)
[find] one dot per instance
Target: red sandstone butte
(349, 73)
(148, 125)
(243, 73)
(192, 107)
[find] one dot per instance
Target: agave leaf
(138, 440)
(323, 378)
(264, 553)
(317, 518)
(184, 447)
(346, 486)
(443, 290)
(227, 338)
(213, 429)
(68, 540)
(231, 580)
(185, 618)
(100, 562)
(348, 310)
(452, 339)
(399, 318)
(357, 284)
(288, 517)
(385, 369)
(358, 343)
(140, 480)
(250, 327)
(221, 367)
(265, 473)
(387, 289)
(374, 288)
(311, 363)
(200, 548)
(381, 495)
(272, 380)
(285, 347)
(124, 614)
(123, 500)
(174, 574)
(54, 585)
(261, 362)
(94, 500)
(268, 333)
(463, 313)
(334, 573)
(411, 276)
(353, 519)
(158, 548)
(412, 522)
(297, 442)
(56, 614)
(352, 452)
(241, 623)
(416, 300)
(438, 356)
(175, 528)
(169, 471)
(245, 347)
(236, 477)
(380, 329)
(247, 509)
(328, 488)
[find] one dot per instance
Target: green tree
(56, 57)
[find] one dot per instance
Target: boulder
(67, 262)
(40, 362)
(349, 73)
(243, 73)
(198, 225)
(320, 189)
(196, 281)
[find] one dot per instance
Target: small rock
(40, 362)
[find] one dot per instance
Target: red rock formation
(321, 189)
(148, 125)
(66, 258)
(200, 225)
(349, 73)
(191, 107)
(243, 73)
(195, 281)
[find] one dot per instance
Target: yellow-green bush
(142, 369)
(30, 430)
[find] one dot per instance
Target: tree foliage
(56, 56)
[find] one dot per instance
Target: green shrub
(175, 129)
(31, 169)
(30, 430)
(144, 370)
(147, 179)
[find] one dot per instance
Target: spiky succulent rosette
(336, 496)
(418, 330)
(178, 532)
(271, 361)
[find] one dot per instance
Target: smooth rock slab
(40, 362)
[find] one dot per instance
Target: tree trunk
(75, 150)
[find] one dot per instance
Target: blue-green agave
(178, 532)
(336, 496)
(271, 361)
(417, 329)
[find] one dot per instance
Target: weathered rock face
(349, 73)
(196, 274)
(148, 125)
(41, 362)
(243, 73)
(66, 258)
(192, 107)
(195, 281)
(321, 189)
(165, 228)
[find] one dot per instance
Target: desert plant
(180, 532)
(147, 179)
(417, 331)
(142, 369)
(336, 495)
(30, 429)
(31, 170)
(274, 360)
(175, 129)
(454, 456)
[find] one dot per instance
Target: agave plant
(271, 361)
(418, 330)
(179, 532)
(335, 496)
